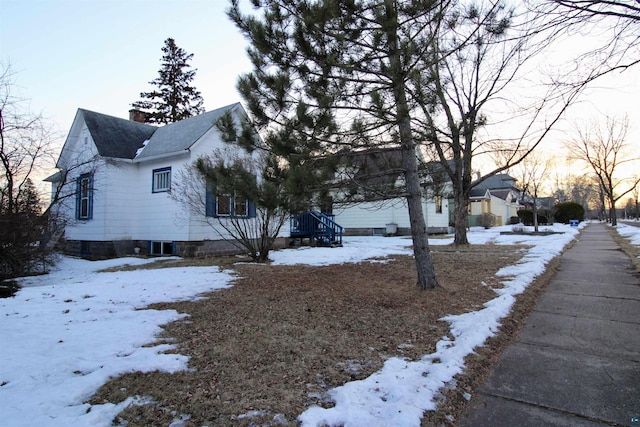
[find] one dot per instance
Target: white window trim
(161, 181)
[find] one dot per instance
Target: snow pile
(65, 334)
(629, 232)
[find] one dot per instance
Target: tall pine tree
(175, 98)
(422, 76)
(330, 75)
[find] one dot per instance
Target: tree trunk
(613, 215)
(424, 261)
(461, 218)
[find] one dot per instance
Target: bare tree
(582, 189)
(635, 200)
(622, 9)
(616, 22)
(241, 197)
(482, 103)
(534, 171)
(26, 146)
(605, 150)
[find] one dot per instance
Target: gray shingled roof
(478, 192)
(499, 181)
(180, 136)
(501, 194)
(116, 137)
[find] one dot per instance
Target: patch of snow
(67, 333)
(139, 150)
(354, 250)
(630, 233)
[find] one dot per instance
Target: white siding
(157, 213)
(80, 152)
(436, 219)
(200, 227)
(377, 215)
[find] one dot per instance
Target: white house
(374, 207)
(116, 176)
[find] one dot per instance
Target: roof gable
(116, 137)
(479, 193)
(504, 194)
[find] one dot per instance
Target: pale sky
(100, 54)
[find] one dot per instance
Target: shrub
(517, 228)
(568, 211)
(526, 216)
(488, 220)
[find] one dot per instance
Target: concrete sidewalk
(577, 360)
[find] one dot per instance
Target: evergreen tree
(419, 76)
(21, 229)
(335, 74)
(175, 99)
(243, 193)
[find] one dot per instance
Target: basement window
(161, 248)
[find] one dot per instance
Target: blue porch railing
(319, 227)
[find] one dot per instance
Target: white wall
(377, 215)
(157, 213)
(373, 215)
(436, 219)
(81, 150)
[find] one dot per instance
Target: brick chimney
(138, 116)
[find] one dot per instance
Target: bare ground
(274, 343)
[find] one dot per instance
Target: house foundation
(187, 249)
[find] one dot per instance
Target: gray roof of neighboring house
(478, 192)
(127, 139)
(481, 193)
(499, 181)
(501, 194)
(180, 136)
(376, 166)
(116, 137)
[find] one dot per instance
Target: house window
(221, 205)
(240, 206)
(161, 180)
(224, 202)
(438, 204)
(84, 197)
(161, 248)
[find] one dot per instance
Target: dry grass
(632, 251)
(282, 336)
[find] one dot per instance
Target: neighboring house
(117, 176)
(497, 196)
(502, 204)
(369, 201)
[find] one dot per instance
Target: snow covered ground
(65, 334)
(630, 232)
